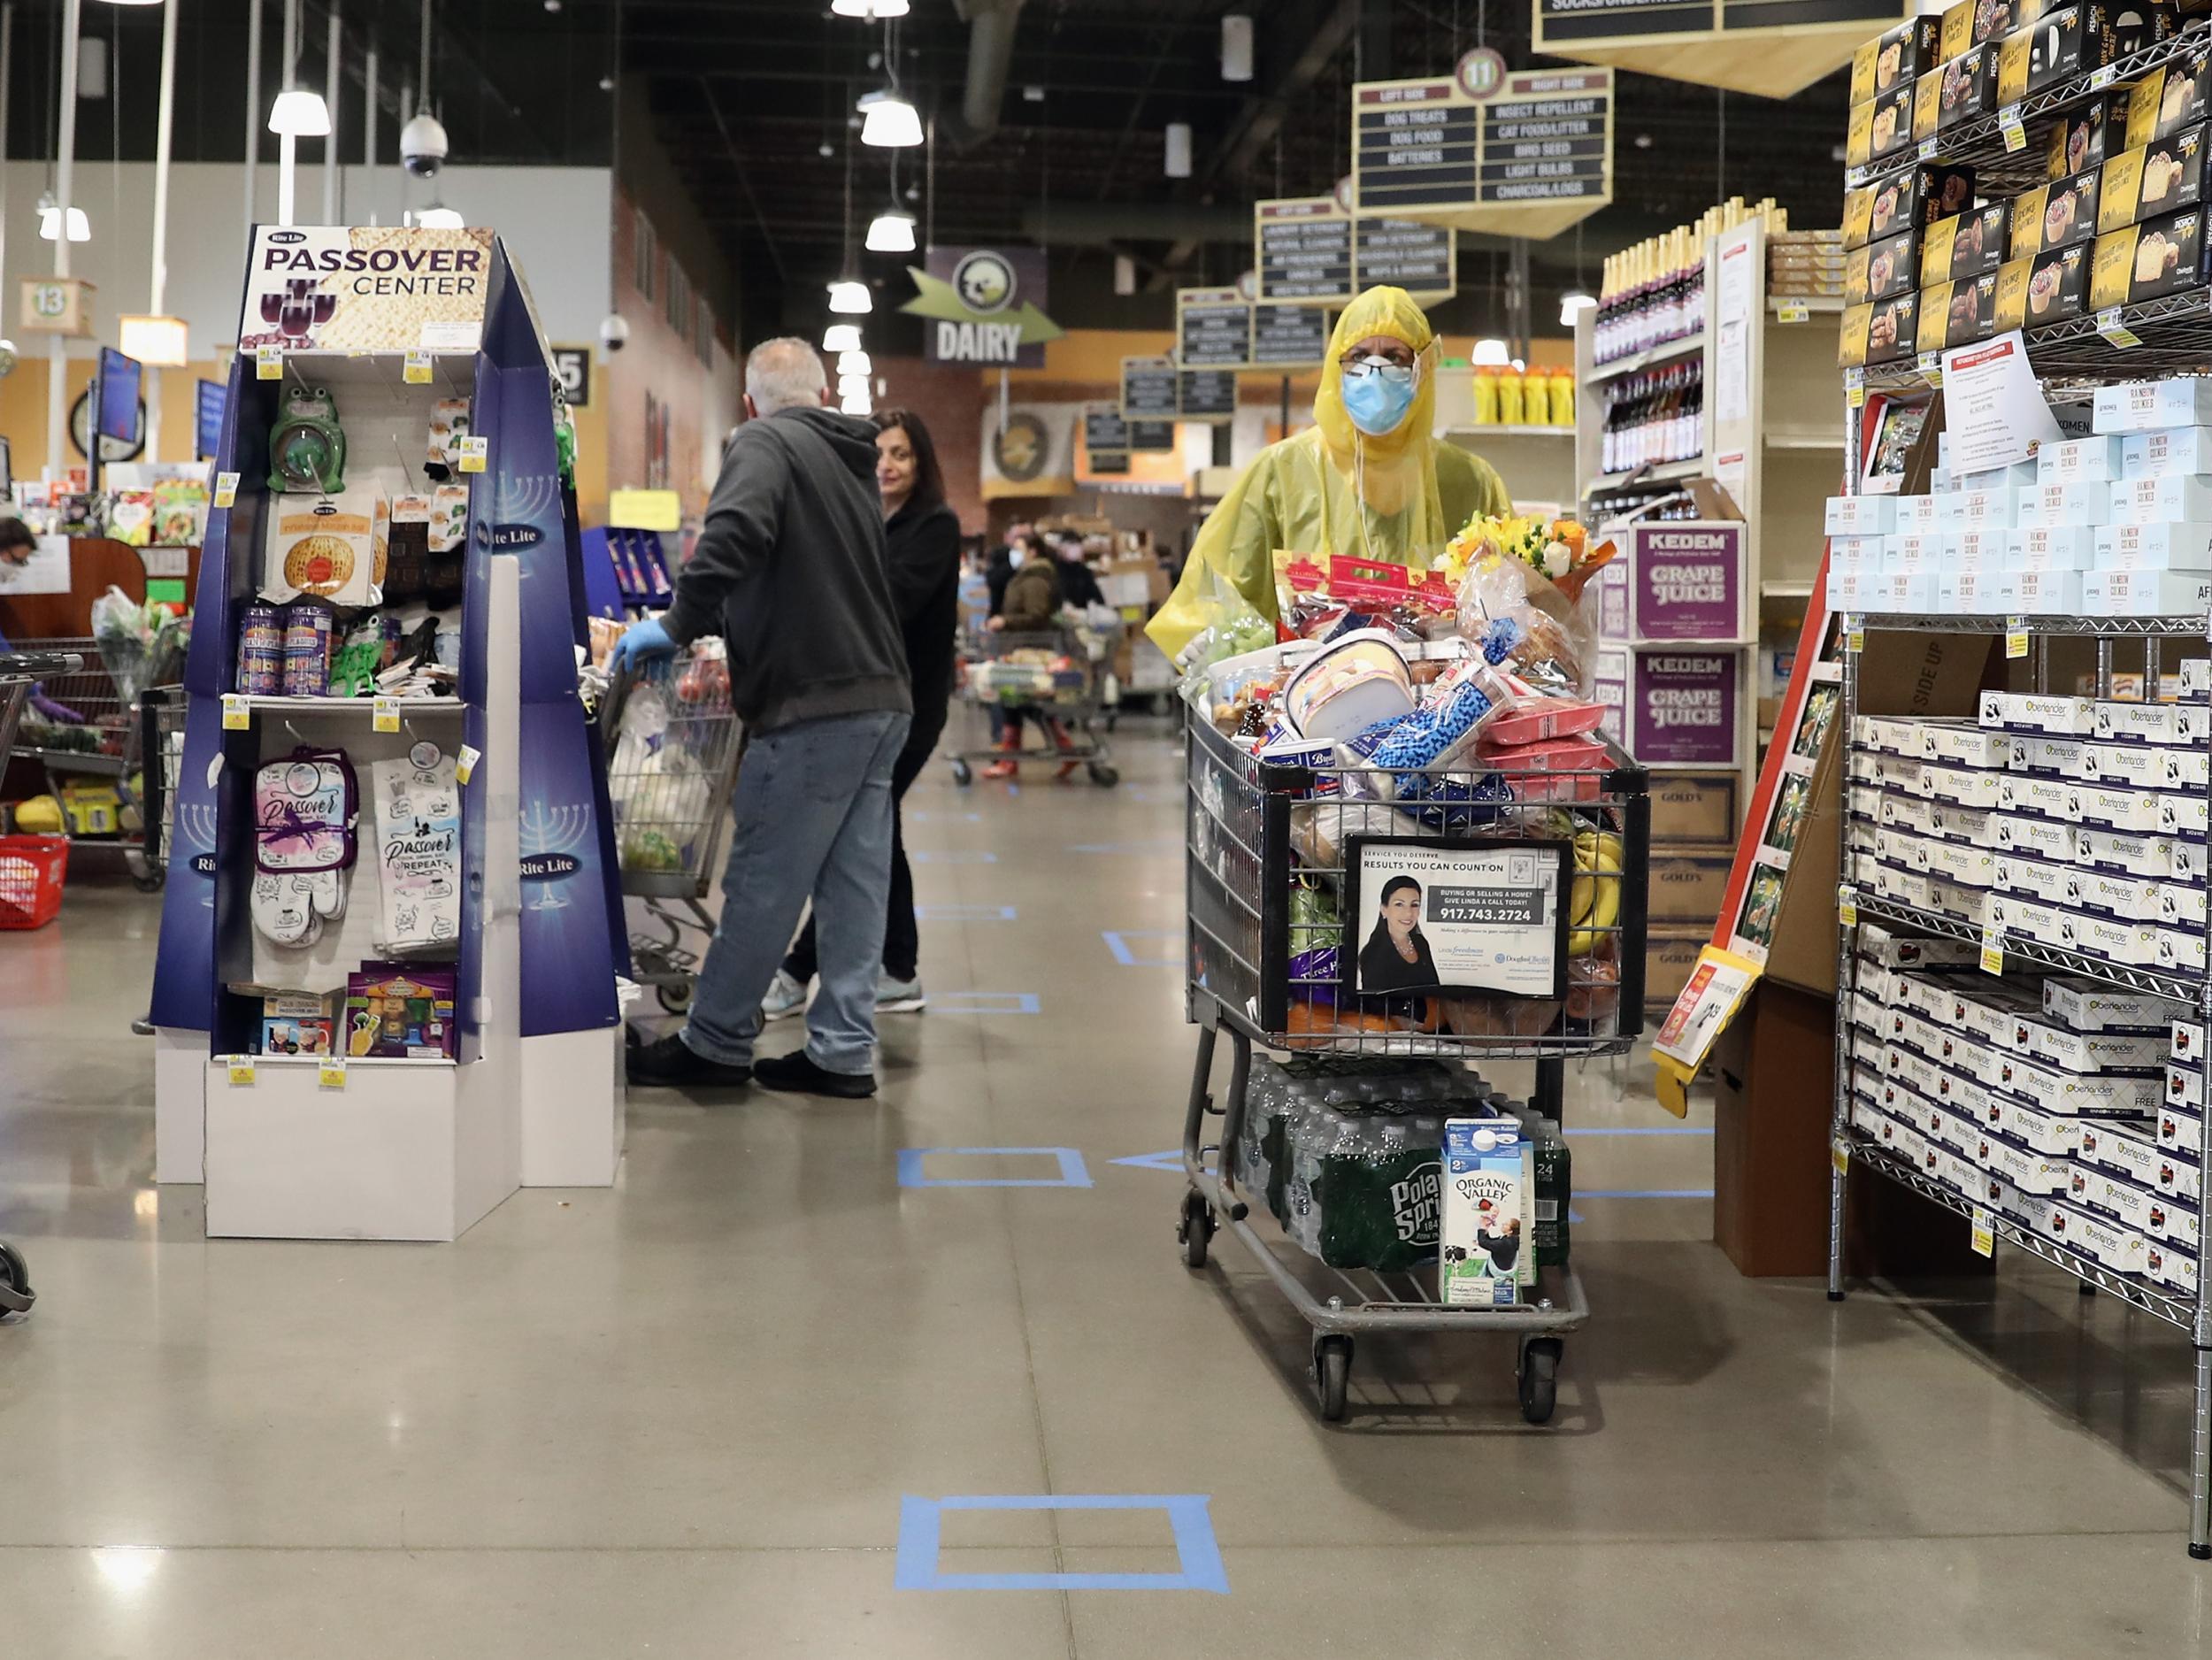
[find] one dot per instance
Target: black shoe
(671, 1064)
(798, 1074)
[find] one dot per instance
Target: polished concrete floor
(688, 1416)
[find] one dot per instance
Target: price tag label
(384, 715)
(331, 1073)
(464, 764)
(1930, 367)
(1854, 639)
(416, 372)
(1993, 951)
(475, 451)
(240, 1071)
(1848, 905)
(237, 712)
(2104, 77)
(1839, 1155)
(226, 488)
(2116, 332)
(268, 363)
(1985, 1234)
(2008, 124)
(1927, 149)
(2015, 636)
(1792, 311)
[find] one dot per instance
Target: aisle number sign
(1525, 154)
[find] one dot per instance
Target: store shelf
(2163, 1304)
(1814, 304)
(71, 760)
(379, 1061)
(1495, 431)
(408, 706)
(2180, 988)
(1665, 351)
(1786, 590)
(2176, 333)
(1665, 472)
(2189, 627)
(1802, 438)
(1980, 144)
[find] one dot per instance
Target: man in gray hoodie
(790, 570)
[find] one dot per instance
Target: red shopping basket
(31, 871)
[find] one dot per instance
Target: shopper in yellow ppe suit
(1368, 479)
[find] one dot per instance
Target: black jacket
(790, 570)
(924, 543)
(1382, 969)
(1079, 586)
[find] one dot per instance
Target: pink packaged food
(1532, 721)
(1577, 754)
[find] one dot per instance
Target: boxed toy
(296, 1023)
(1489, 1221)
(400, 1011)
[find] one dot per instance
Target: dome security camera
(614, 332)
(422, 145)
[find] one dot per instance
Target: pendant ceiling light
(438, 216)
(850, 298)
(299, 113)
(1571, 306)
(891, 232)
(889, 121)
(49, 222)
(841, 338)
(854, 361)
(856, 403)
(1491, 354)
(876, 9)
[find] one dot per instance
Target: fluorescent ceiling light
(842, 337)
(854, 361)
(49, 216)
(1572, 305)
(891, 233)
(1492, 354)
(299, 113)
(1176, 159)
(850, 298)
(892, 122)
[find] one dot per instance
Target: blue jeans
(813, 809)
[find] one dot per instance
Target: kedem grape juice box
(1488, 1232)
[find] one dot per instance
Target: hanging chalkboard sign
(1149, 391)
(1302, 249)
(1289, 336)
(1152, 434)
(1213, 328)
(1522, 154)
(1421, 259)
(1206, 395)
(1103, 428)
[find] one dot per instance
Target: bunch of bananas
(1595, 900)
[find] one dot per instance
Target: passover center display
(384, 747)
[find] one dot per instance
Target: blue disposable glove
(645, 641)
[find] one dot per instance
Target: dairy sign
(983, 306)
(365, 287)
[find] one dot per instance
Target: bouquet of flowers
(1531, 574)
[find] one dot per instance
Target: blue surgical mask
(1014, 556)
(1377, 395)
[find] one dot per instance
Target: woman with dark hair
(1396, 955)
(922, 536)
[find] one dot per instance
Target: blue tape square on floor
(1119, 941)
(1196, 1551)
(1073, 1173)
(984, 1003)
(1171, 1160)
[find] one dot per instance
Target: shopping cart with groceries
(1327, 1155)
(673, 741)
(1051, 679)
(31, 870)
(151, 788)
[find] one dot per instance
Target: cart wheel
(1539, 1378)
(1196, 1230)
(676, 998)
(1105, 774)
(1332, 1374)
(962, 774)
(16, 1295)
(150, 882)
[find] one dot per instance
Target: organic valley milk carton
(1489, 1240)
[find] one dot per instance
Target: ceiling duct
(990, 51)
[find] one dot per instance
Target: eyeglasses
(1397, 373)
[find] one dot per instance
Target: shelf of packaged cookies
(1665, 351)
(1982, 142)
(2173, 332)
(2180, 988)
(2174, 1309)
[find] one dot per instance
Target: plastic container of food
(1353, 684)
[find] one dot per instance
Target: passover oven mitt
(305, 806)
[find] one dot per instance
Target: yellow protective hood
(1392, 312)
